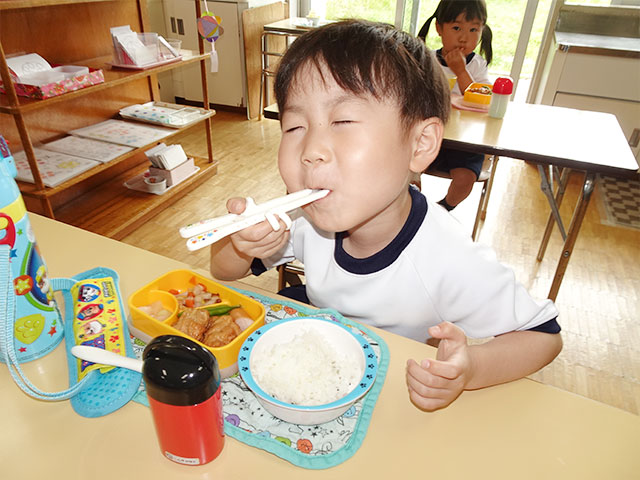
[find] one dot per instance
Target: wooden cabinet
(77, 32)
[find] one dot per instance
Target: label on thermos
(183, 460)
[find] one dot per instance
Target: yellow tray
(181, 280)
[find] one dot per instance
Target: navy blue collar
(444, 63)
(385, 257)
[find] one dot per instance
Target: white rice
(308, 370)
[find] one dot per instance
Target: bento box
(172, 286)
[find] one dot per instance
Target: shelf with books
(76, 32)
(29, 189)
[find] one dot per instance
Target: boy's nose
(315, 149)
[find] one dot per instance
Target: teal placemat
(308, 446)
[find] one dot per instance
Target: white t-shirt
(476, 67)
(431, 272)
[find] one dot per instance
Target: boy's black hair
(448, 10)
(371, 58)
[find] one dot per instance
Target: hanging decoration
(209, 26)
(210, 29)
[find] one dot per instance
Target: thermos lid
(503, 86)
(178, 371)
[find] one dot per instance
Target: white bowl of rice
(307, 371)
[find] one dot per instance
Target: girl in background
(461, 25)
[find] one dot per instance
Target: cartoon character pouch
(93, 315)
(97, 320)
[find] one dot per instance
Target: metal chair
(486, 178)
(269, 67)
(289, 274)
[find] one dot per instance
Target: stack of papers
(123, 133)
(54, 167)
(167, 114)
(102, 152)
(166, 157)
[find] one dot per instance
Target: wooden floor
(599, 300)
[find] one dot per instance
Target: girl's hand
(257, 241)
(456, 61)
(434, 384)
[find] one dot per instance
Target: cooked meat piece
(242, 318)
(222, 330)
(193, 322)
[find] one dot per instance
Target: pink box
(94, 77)
(177, 174)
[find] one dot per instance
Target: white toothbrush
(206, 232)
(105, 357)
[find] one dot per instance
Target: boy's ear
(428, 137)
(438, 28)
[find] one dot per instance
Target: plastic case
(175, 175)
(181, 280)
(473, 98)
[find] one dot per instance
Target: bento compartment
(156, 304)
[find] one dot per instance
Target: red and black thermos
(183, 386)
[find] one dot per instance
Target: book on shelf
(54, 167)
(166, 114)
(102, 152)
(123, 133)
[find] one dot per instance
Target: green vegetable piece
(220, 309)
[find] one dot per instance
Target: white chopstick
(206, 232)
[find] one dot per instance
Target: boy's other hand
(260, 240)
(434, 384)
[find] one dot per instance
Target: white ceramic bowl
(339, 336)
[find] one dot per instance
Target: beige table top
(564, 137)
(519, 430)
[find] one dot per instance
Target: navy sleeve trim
(551, 326)
(257, 267)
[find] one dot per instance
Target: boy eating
(362, 109)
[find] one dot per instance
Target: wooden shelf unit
(95, 200)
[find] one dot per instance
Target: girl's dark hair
(370, 58)
(449, 10)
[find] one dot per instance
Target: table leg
(264, 66)
(562, 184)
(547, 189)
(574, 229)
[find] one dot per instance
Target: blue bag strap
(7, 346)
